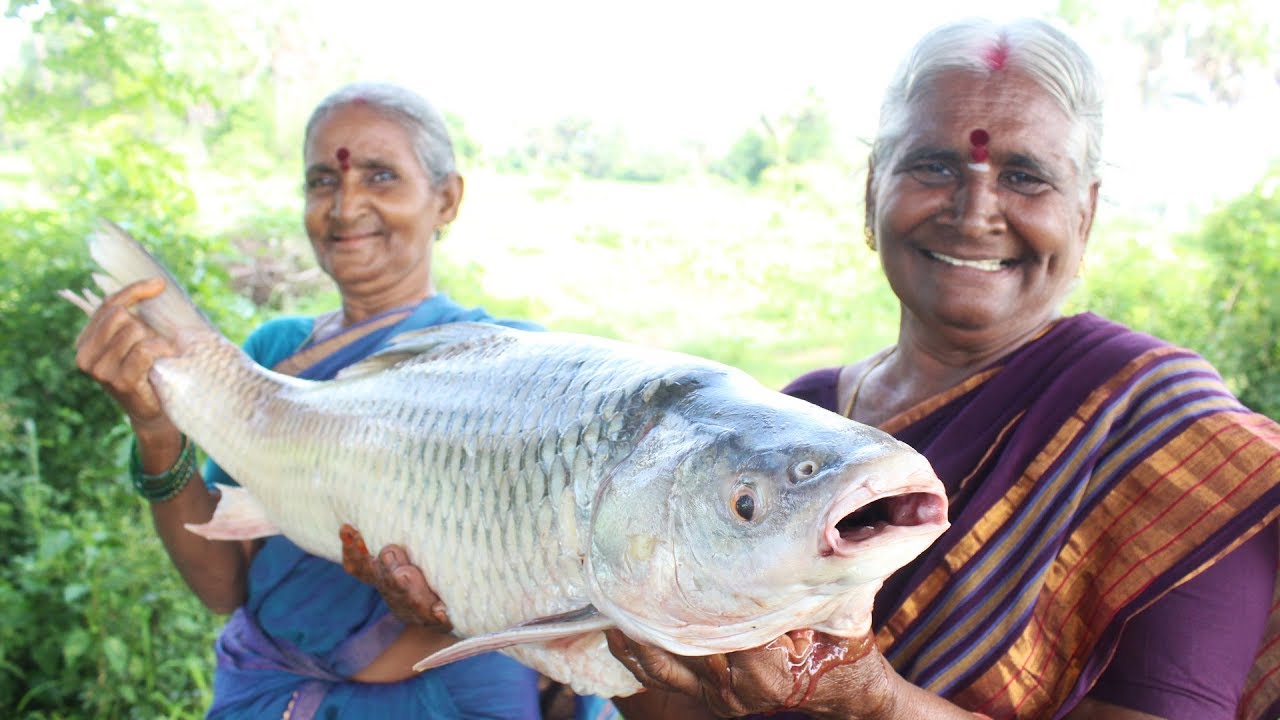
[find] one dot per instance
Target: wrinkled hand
(117, 350)
(402, 584)
(802, 670)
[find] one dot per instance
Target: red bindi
(979, 139)
(996, 56)
(344, 156)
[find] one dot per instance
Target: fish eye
(744, 502)
(803, 470)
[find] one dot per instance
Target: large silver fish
(553, 485)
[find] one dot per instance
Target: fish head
(781, 516)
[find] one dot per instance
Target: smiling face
(980, 254)
(371, 209)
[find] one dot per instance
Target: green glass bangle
(162, 487)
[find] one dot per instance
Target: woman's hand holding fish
(405, 590)
(402, 584)
(820, 675)
(117, 349)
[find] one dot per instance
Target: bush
(1242, 337)
(93, 616)
(1215, 290)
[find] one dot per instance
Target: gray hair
(424, 124)
(1034, 47)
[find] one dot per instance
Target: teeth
(987, 265)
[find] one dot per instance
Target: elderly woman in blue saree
(305, 638)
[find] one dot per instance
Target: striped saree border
(1261, 697)
(931, 405)
(1103, 570)
(978, 556)
(1009, 622)
(305, 358)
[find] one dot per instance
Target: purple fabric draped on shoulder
(1058, 460)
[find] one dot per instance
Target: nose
(976, 208)
(346, 201)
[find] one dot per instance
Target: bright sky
(671, 71)
(667, 71)
(664, 69)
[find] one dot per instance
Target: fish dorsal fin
(559, 627)
(425, 341)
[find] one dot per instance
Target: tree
(747, 160)
(1223, 41)
(1214, 291)
(797, 136)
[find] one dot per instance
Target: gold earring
(870, 236)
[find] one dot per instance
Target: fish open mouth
(855, 521)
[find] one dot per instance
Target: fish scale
(552, 485)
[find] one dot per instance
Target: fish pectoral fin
(239, 516)
(586, 613)
(549, 629)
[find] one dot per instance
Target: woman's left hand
(401, 583)
(805, 670)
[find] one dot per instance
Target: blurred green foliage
(576, 145)
(1215, 290)
(1242, 244)
(797, 136)
(577, 230)
(94, 622)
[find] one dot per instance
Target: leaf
(75, 644)
(71, 594)
(116, 653)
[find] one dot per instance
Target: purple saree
(1104, 486)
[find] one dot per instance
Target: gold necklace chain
(857, 388)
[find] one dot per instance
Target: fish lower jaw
(846, 625)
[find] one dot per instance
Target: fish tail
(123, 260)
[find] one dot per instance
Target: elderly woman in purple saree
(1113, 547)
(1077, 471)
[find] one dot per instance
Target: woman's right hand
(118, 350)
